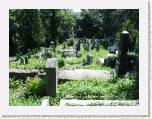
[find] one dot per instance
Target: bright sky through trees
(77, 10)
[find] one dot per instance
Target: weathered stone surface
(19, 73)
(51, 77)
(75, 102)
(45, 102)
(83, 74)
(100, 61)
(111, 55)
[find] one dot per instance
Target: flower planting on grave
(62, 55)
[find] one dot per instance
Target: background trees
(31, 28)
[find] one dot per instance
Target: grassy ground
(75, 62)
(32, 91)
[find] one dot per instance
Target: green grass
(33, 63)
(18, 94)
(75, 62)
(123, 89)
(31, 92)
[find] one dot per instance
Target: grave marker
(51, 77)
(121, 62)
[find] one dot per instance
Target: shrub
(70, 42)
(72, 61)
(61, 62)
(36, 86)
(13, 83)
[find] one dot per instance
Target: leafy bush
(36, 86)
(18, 94)
(72, 61)
(112, 89)
(61, 62)
(70, 42)
(14, 83)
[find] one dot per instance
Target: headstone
(112, 49)
(100, 61)
(78, 45)
(89, 60)
(93, 43)
(26, 60)
(51, 77)
(97, 46)
(86, 46)
(121, 62)
(22, 61)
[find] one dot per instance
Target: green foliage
(73, 60)
(70, 42)
(13, 83)
(112, 89)
(18, 94)
(34, 63)
(36, 86)
(32, 91)
(61, 62)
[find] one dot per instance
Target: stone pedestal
(51, 77)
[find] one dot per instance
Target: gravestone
(112, 49)
(22, 61)
(97, 45)
(89, 60)
(100, 61)
(51, 77)
(93, 43)
(26, 60)
(86, 45)
(121, 62)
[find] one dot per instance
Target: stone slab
(100, 61)
(83, 74)
(75, 102)
(77, 74)
(45, 102)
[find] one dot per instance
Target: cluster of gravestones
(120, 59)
(45, 53)
(121, 64)
(91, 43)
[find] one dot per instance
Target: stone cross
(51, 76)
(121, 62)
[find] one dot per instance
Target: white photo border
(141, 110)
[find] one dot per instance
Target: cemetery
(66, 62)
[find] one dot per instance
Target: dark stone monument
(51, 76)
(26, 60)
(121, 62)
(22, 61)
(89, 60)
(97, 45)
